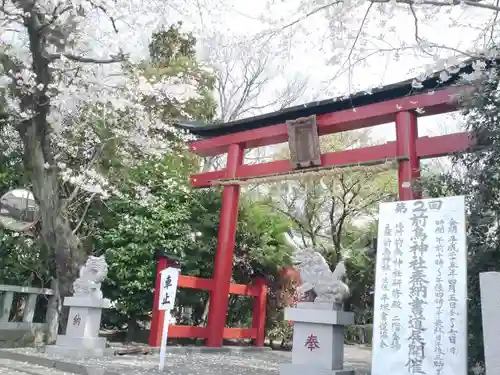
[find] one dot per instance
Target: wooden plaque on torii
(303, 141)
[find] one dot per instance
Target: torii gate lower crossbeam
(408, 149)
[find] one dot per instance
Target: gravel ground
(249, 363)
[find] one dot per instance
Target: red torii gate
(399, 103)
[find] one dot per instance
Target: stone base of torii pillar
(318, 339)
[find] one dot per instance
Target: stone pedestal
(82, 332)
(318, 339)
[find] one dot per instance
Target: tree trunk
(55, 229)
(133, 330)
(39, 161)
(205, 312)
(207, 164)
(53, 313)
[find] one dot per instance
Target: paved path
(9, 367)
(245, 363)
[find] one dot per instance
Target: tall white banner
(420, 317)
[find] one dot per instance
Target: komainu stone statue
(92, 274)
(318, 324)
(85, 310)
(316, 276)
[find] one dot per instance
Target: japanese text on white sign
(420, 312)
(168, 289)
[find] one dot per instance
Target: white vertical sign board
(420, 317)
(168, 291)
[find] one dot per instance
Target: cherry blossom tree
(67, 111)
(419, 36)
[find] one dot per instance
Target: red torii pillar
(406, 143)
(223, 266)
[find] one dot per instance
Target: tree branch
(88, 60)
(477, 4)
(55, 17)
(85, 210)
(493, 24)
(311, 13)
(8, 13)
(287, 214)
(94, 159)
(111, 19)
(415, 22)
